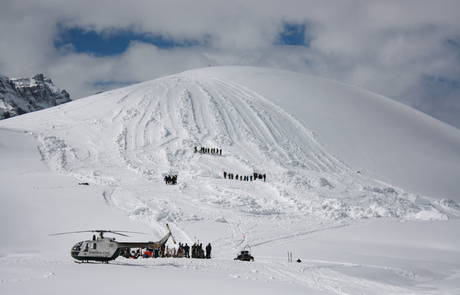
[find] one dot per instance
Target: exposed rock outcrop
(23, 95)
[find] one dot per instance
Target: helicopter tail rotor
(172, 237)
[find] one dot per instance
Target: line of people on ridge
(170, 179)
(197, 251)
(211, 151)
(252, 177)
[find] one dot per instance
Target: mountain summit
(325, 147)
(23, 95)
(363, 190)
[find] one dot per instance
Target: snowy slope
(371, 133)
(310, 136)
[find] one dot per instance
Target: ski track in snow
(149, 130)
(152, 132)
(332, 277)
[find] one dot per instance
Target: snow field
(124, 141)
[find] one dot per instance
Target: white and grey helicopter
(104, 249)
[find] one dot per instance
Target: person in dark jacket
(225, 175)
(186, 251)
(200, 251)
(194, 251)
(208, 251)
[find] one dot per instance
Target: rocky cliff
(23, 95)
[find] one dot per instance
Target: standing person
(265, 176)
(186, 251)
(220, 152)
(225, 175)
(208, 251)
(196, 149)
(194, 251)
(237, 177)
(250, 178)
(201, 251)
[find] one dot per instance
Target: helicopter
(105, 249)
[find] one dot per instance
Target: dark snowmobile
(244, 255)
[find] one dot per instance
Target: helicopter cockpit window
(77, 246)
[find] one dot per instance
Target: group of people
(252, 177)
(182, 251)
(134, 254)
(211, 151)
(170, 179)
(197, 251)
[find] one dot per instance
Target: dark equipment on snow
(83, 183)
(245, 255)
(170, 179)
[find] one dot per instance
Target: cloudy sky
(406, 50)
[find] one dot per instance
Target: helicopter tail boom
(158, 244)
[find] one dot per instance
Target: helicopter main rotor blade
(125, 231)
(117, 232)
(71, 232)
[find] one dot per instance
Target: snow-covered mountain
(360, 187)
(23, 95)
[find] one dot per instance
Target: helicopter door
(86, 247)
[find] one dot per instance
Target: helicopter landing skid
(90, 262)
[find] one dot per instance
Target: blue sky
(293, 34)
(113, 42)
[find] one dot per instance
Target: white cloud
(385, 46)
